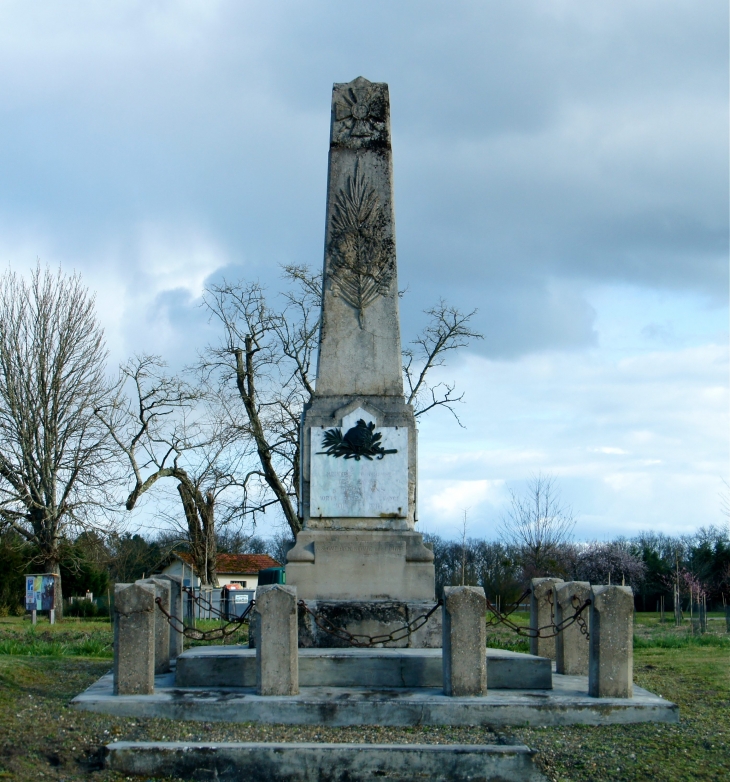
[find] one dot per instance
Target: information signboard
(39, 592)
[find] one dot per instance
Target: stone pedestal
(277, 656)
(542, 614)
(134, 639)
(464, 641)
(163, 591)
(359, 565)
(611, 663)
(571, 644)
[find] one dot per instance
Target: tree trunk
(245, 381)
(52, 565)
(200, 517)
(207, 518)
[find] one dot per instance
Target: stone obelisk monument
(358, 558)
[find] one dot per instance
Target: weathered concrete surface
(571, 644)
(611, 666)
(235, 666)
(370, 617)
(163, 591)
(279, 762)
(566, 704)
(134, 639)
(359, 347)
(334, 412)
(176, 609)
(542, 614)
(354, 488)
(361, 566)
(465, 635)
(277, 659)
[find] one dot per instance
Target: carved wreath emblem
(362, 257)
(362, 441)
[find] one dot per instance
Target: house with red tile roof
(241, 569)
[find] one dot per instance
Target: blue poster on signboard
(39, 592)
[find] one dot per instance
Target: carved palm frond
(362, 257)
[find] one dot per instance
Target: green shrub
(82, 608)
(4, 609)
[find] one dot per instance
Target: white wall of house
(182, 570)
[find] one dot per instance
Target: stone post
(176, 609)
(611, 663)
(542, 613)
(571, 645)
(277, 653)
(134, 639)
(162, 627)
(464, 641)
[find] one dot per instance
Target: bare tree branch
(447, 330)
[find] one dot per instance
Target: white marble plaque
(348, 487)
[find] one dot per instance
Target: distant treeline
(651, 563)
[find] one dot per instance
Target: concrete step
(568, 703)
(235, 666)
(299, 762)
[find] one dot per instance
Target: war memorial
(357, 635)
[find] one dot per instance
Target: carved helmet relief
(362, 255)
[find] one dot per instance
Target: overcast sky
(560, 165)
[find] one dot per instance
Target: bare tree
(56, 459)
(268, 356)
(168, 429)
(464, 528)
(537, 523)
(268, 353)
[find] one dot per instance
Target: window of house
(240, 583)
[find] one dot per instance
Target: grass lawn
(42, 738)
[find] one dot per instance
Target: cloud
(636, 442)
(448, 500)
(561, 167)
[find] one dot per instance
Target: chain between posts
(363, 641)
(231, 626)
(360, 639)
(539, 632)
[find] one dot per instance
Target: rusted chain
(582, 626)
(539, 632)
(218, 633)
(360, 639)
(502, 616)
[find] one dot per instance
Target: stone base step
(235, 666)
(568, 703)
(275, 762)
